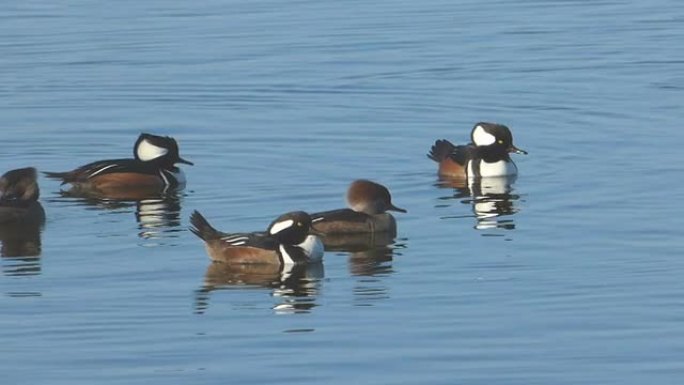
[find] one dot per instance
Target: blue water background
(280, 105)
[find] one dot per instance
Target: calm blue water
(281, 105)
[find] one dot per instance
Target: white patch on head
(313, 247)
(280, 226)
(482, 137)
(147, 151)
(287, 260)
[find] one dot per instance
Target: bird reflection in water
(492, 201)
(21, 247)
(370, 258)
(369, 253)
(158, 214)
(294, 287)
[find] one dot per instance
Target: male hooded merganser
(486, 156)
(287, 241)
(152, 168)
(19, 197)
(368, 202)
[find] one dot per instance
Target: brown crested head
(369, 197)
(19, 185)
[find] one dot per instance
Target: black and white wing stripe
(104, 167)
(260, 240)
(236, 239)
(95, 169)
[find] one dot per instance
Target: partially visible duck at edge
(369, 203)
(153, 168)
(287, 241)
(488, 155)
(19, 195)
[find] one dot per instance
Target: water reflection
(370, 257)
(21, 247)
(492, 201)
(295, 288)
(369, 253)
(158, 215)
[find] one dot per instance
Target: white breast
(179, 176)
(500, 168)
(313, 247)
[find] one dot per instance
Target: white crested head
(280, 226)
(481, 137)
(147, 151)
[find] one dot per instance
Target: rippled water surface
(570, 274)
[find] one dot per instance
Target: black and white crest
(291, 228)
(156, 148)
(149, 147)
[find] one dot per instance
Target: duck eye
(299, 224)
(501, 141)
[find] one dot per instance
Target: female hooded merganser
(486, 156)
(287, 241)
(368, 202)
(19, 197)
(153, 168)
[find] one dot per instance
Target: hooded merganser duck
(368, 202)
(287, 241)
(19, 195)
(486, 156)
(153, 168)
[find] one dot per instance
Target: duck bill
(395, 208)
(516, 150)
(181, 160)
